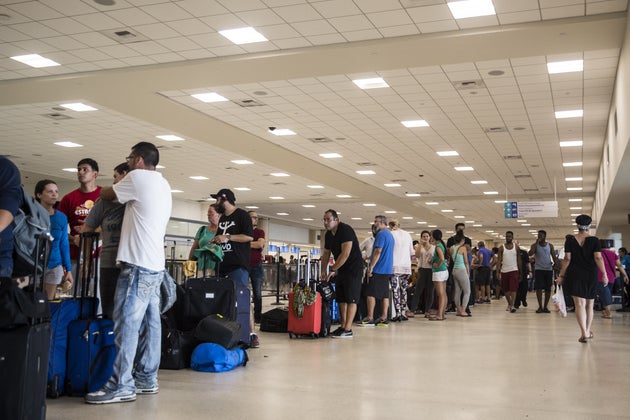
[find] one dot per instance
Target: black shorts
(378, 287)
(543, 279)
(483, 276)
(348, 286)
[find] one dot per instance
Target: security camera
(272, 128)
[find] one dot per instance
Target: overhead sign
(529, 209)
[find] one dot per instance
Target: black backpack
(30, 221)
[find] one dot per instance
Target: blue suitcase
(243, 310)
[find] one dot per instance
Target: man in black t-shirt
(342, 242)
(234, 234)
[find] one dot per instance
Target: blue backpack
(30, 221)
(211, 357)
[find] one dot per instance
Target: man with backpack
(10, 202)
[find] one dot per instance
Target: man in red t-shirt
(255, 265)
(76, 205)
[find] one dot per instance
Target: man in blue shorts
(380, 270)
(342, 242)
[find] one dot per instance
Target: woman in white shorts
(439, 267)
(59, 267)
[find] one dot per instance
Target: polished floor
(494, 365)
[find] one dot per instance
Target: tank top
(509, 262)
(459, 258)
(543, 258)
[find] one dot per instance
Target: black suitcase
(24, 356)
(217, 329)
(243, 311)
(206, 296)
(275, 320)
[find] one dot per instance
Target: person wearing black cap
(234, 234)
(582, 258)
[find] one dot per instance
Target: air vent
(530, 189)
(495, 129)
(366, 164)
(512, 157)
(57, 116)
(279, 183)
(320, 139)
(247, 103)
(469, 84)
(399, 180)
(522, 176)
(317, 195)
(124, 36)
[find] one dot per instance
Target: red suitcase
(311, 322)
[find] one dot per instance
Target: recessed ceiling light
(469, 221)
(432, 226)
(491, 192)
(565, 66)
(392, 185)
(356, 218)
(567, 164)
(70, 169)
(391, 211)
(431, 203)
(479, 182)
(415, 123)
(160, 167)
(421, 222)
(330, 155)
(459, 217)
(242, 162)
(526, 224)
(79, 107)
(575, 178)
(575, 113)
(68, 144)
(169, 137)
(478, 225)
(574, 189)
(209, 97)
(242, 189)
(282, 214)
(245, 35)
(448, 153)
(575, 214)
(412, 195)
(575, 199)
(35, 60)
(372, 83)
(308, 219)
(571, 143)
(500, 201)
(282, 132)
(177, 191)
(366, 172)
(198, 177)
(308, 206)
(489, 231)
(464, 168)
(407, 218)
(343, 196)
(575, 208)
(276, 197)
(521, 221)
(278, 174)
(251, 207)
(471, 8)
(369, 204)
(446, 211)
(315, 187)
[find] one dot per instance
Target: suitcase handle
(87, 265)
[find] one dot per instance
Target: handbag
(558, 302)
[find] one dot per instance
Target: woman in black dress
(582, 259)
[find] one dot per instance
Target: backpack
(30, 221)
(211, 357)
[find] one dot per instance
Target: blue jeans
(256, 275)
(137, 328)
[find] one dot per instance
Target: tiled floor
(495, 365)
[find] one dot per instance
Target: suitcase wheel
(290, 335)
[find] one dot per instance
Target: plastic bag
(558, 302)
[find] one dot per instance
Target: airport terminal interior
(505, 115)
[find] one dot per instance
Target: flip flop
(582, 340)
(436, 319)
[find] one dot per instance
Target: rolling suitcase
(219, 330)
(309, 324)
(24, 353)
(91, 346)
(243, 311)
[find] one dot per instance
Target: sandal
(590, 335)
(607, 316)
(436, 319)
(582, 340)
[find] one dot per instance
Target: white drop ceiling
(481, 84)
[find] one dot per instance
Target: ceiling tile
(430, 13)
(166, 12)
(518, 17)
(189, 27)
(336, 8)
(562, 12)
(297, 13)
(200, 8)
(316, 27)
(132, 17)
(440, 26)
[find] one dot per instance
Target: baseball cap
(225, 193)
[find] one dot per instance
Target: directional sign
(530, 209)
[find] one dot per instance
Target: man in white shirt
(403, 254)
(147, 198)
